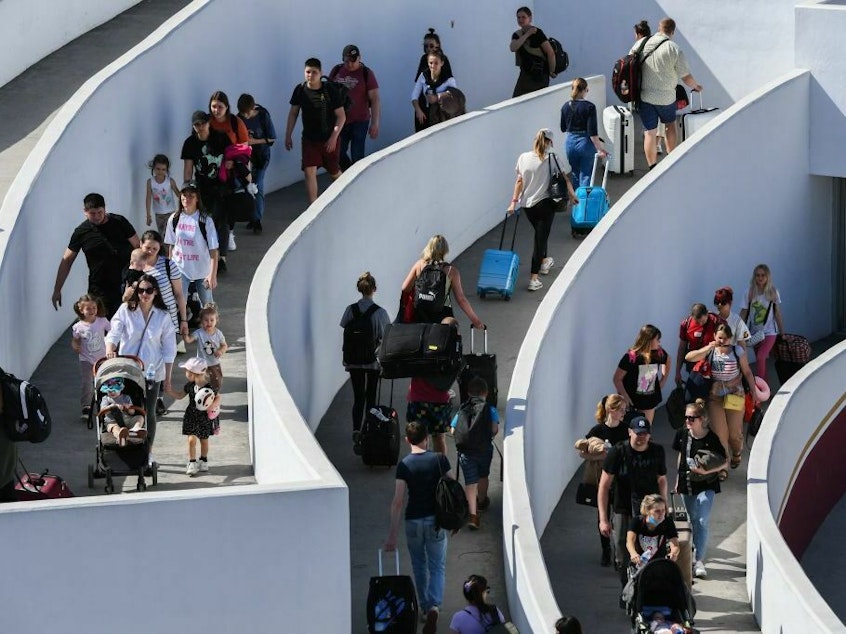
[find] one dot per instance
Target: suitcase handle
(514, 235)
(696, 92)
(379, 392)
(596, 158)
(396, 559)
(473, 340)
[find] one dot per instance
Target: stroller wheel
(155, 469)
(142, 485)
(91, 476)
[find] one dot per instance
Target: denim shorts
(475, 465)
(436, 416)
(650, 114)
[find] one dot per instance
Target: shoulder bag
(557, 188)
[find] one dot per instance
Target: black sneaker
(221, 265)
(605, 560)
(357, 443)
(250, 225)
(257, 228)
(161, 408)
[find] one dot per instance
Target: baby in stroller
(120, 419)
(659, 624)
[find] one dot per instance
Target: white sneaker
(547, 264)
(699, 570)
(232, 245)
(192, 468)
(204, 465)
(535, 285)
(180, 347)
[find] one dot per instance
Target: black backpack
(626, 74)
(201, 221)
(430, 293)
(25, 415)
(452, 511)
(562, 60)
(359, 343)
(473, 426)
(345, 92)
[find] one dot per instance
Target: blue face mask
(653, 521)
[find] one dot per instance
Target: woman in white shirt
(532, 187)
(723, 298)
(763, 314)
(142, 327)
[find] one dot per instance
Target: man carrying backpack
(474, 427)
(419, 473)
(663, 64)
(322, 105)
(364, 112)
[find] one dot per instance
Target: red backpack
(626, 74)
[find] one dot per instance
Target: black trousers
(364, 385)
(541, 216)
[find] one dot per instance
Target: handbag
(587, 494)
(675, 408)
(734, 402)
(755, 338)
(557, 189)
(699, 380)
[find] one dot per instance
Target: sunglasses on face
(690, 419)
(146, 290)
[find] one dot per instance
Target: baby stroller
(658, 586)
(112, 458)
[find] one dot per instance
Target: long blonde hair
(770, 291)
(612, 402)
(541, 143)
(436, 249)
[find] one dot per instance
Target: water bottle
(646, 556)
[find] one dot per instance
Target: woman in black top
(699, 475)
(432, 43)
(578, 120)
(533, 54)
(652, 531)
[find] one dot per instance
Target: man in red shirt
(365, 111)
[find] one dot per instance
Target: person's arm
(517, 42)
(668, 365)
(744, 312)
(604, 494)
(189, 337)
(701, 353)
(77, 347)
(396, 513)
(546, 47)
(134, 241)
(631, 546)
(778, 318)
(408, 284)
(619, 373)
(222, 349)
(518, 190)
(181, 304)
(680, 354)
(662, 487)
(148, 201)
(115, 334)
(462, 300)
(746, 370)
(691, 83)
(340, 120)
(211, 280)
(62, 273)
(178, 194)
(187, 170)
(415, 96)
(375, 112)
(674, 549)
(293, 113)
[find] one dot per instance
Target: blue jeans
(580, 153)
(204, 293)
(427, 546)
(258, 179)
(353, 136)
(699, 509)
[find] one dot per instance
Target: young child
(197, 423)
(89, 342)
(137, 267)
(211, 344)
(123, 427)
(660, 625)
(162, 192)
(476, 449)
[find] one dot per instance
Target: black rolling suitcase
(380, 439)
(482, 365)
(391, 602)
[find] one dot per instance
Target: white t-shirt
(535, 175)
(190, 252)
(739, 330)
(758, 317)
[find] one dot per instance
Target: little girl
(197, 423)
(211, 344)
(162, 192)
(89, 342)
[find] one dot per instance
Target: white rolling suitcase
(696, 118)
(619, 128)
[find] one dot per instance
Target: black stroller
(658, 586)
(112, 458)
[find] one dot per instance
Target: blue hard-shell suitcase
(498, 273)
(593, 204)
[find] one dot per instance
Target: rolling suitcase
(682, 522)
(696, 118)
(40, 486)
(410, 350)
(482, 365)
(380, 437)
(619, 128)
(593, 204)
(498, 272)
(391, 602)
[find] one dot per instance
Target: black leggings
(364, 384)
(540, 216)
(150, 406)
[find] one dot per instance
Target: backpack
(562, 60)
(452, 511)
(359, 343)
(430, 293)
(473, 426)
(626, 74)
(201, 221)
(25, 415)
(498, 627)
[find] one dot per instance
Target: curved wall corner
(658, 290)
(794, 480)
(32, 29)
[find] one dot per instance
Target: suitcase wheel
(507, 298)
(482, 295)
(142, 485)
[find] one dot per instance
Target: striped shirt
(166, 288)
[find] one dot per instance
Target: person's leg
(762, 352)
(204, 454)
(574, 157)
(717, 422)
(436, 551)
(586, 156)
(344, 141)
(203, 292)
(359, 136)
(86, 384)
(649, 118)
(533, 215)
(357, 380)
(482, 494)
(192, 447)
(672, 136)
(332, 163)
(734, 422)
(470, 469)
(310, 174)
(150, 406)
(161, 223)
(217, 211)
(371, 388)
(439, 443)
(415, 541)
(649, 414)
(258, 179)
(621, 526)
(699, 507)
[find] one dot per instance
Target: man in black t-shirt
(106, 240)
(202, 156)
(323, 118)
(635, 468)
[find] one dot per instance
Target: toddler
(211, 344)
(660, 625)
(162, 192)
(137, 266)
(122, 427)
(198, 423)
(88, 340)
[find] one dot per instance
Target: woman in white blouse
(142, 327)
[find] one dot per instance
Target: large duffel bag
(425, 350)
(792, 348)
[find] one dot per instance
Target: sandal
(736, 459)
(723, 475)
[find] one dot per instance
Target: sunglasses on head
(146, 290)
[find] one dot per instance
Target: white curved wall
(32, 29)
(637, 268)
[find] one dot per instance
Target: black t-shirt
(524, 59)
(710, 442)
(635, 474)
(655, 538)
(642, 380)
(260, 127)
(421, 472)
(207, 157)
(318, 110)
(613, 435)
(106, 248)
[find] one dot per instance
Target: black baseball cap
(351, 51)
